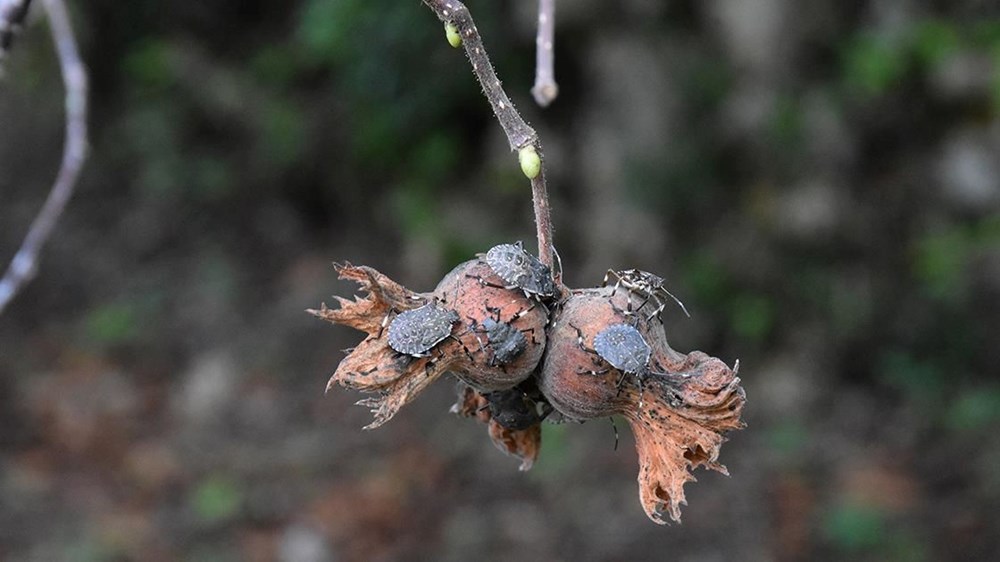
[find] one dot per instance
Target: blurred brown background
(818, 181)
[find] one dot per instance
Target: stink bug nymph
(623, 347)
(647, 286)
(515, 410)
(505, 340)
(521, 270)
(415, 332)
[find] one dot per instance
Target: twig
(24, 265)
(12, 14)
(545, 89)
(519, 134)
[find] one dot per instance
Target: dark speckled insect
(646, 286)
(415, 332)
(515, 410)
(624, 348)
(506, 341)
(521, 270)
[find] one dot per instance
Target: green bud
(531, 164)
(451, 32)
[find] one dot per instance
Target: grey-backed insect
(623, 347)
(505, 340)
(516, 410)
(521, 270)
(415, 332)
(647, 286)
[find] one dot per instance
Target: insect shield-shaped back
(515, 410)
(505, 341)
(624, 348)
(415, 332)
(521, 270)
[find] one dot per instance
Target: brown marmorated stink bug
(503, 338)
(623, 347)
(521, 270)
(415, 332)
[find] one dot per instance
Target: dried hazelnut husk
(477, 297)
(679, 408)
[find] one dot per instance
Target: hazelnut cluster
(524, 347)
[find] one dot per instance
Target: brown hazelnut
(496, 340)
(503, 330)
(678, 406)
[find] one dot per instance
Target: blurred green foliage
(216, 498)
(942, 257)
(89, 549)
(706, 277)
(752, 316)
(922, 380)
(873, 64)
(786, 127)
(112, 323)
(853, 527)
(941, 260)
(857, 530)
(975, 409)
(555, 456)
(147, 67)
(787, 438)
(934, 40)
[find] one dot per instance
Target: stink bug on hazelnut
(623, 347)
(415, 332)
(515, 410)
(646, 286)
(521, 270)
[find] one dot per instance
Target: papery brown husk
(373, 366)
(674, 436)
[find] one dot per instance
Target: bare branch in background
(12, 14)
(519, 134)
(545, 89)
(24, 265)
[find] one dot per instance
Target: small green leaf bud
(531, 164)
(451, 32)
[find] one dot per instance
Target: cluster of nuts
(524, 346)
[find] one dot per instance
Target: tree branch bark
(12, 14)
(545, 89)
(25, 263)
(519, 134)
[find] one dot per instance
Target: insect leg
(385, 321)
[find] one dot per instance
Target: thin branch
(519, 134)
(545, 89)
(12, 14)
(543, 221)
(24, 265)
